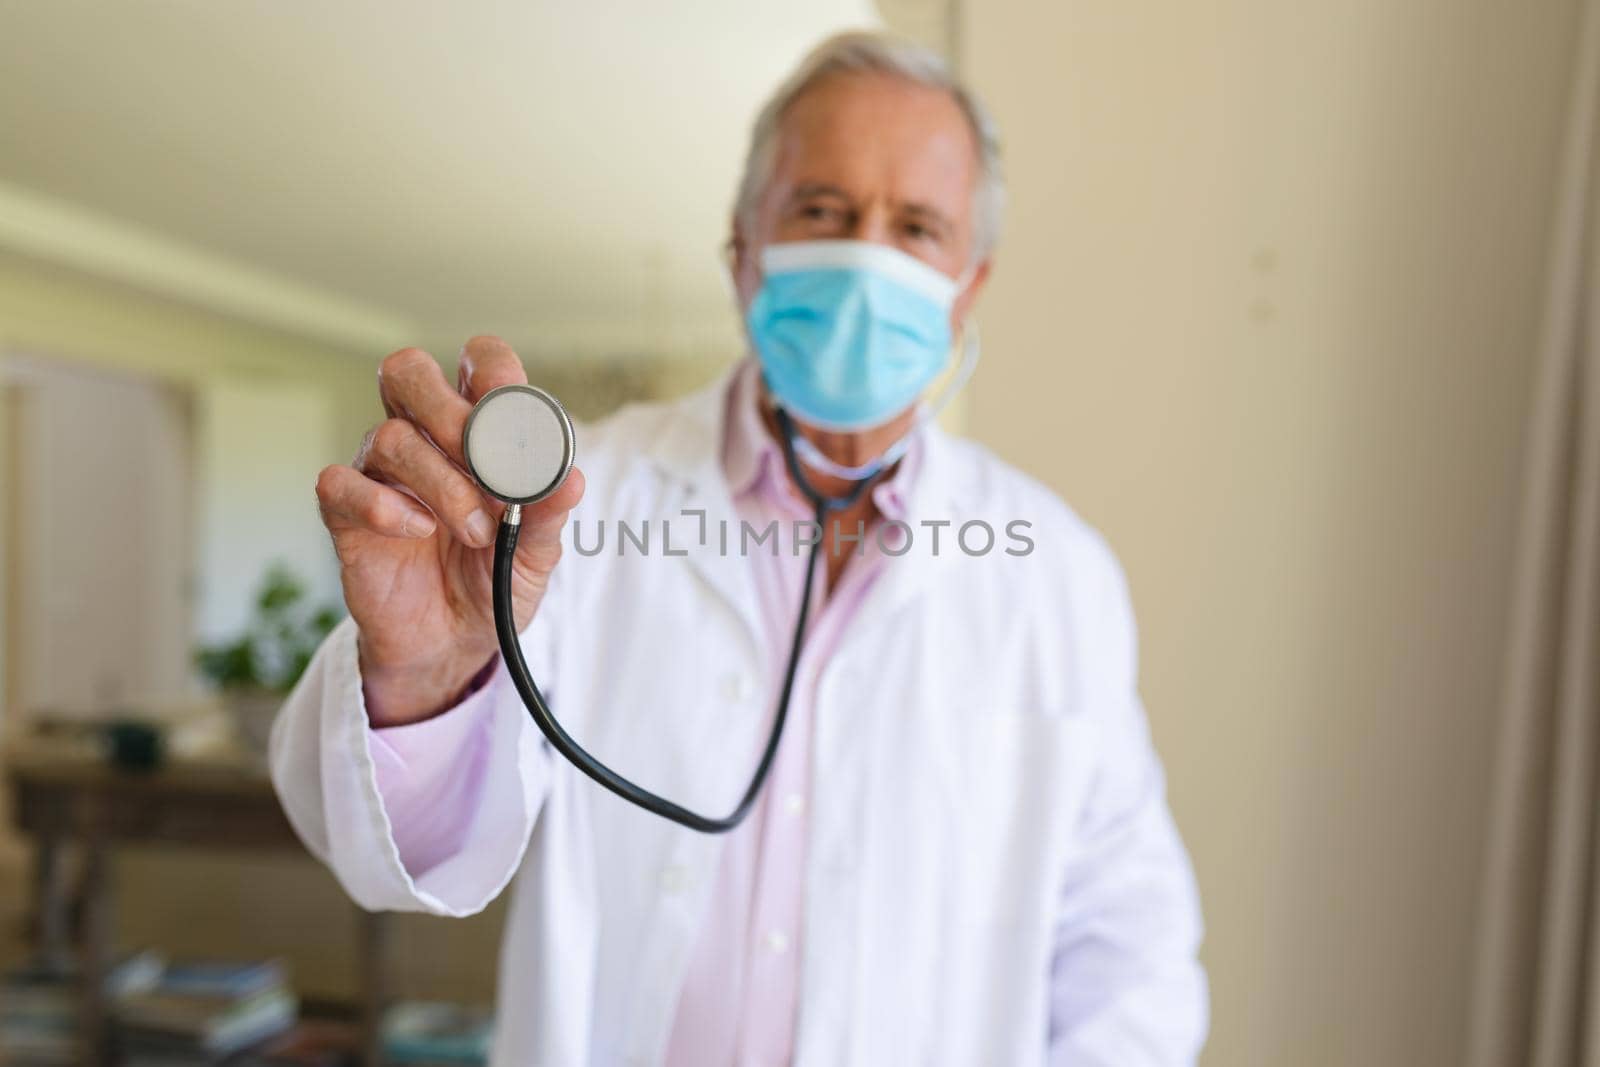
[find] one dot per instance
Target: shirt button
(794, 803)
(778, 942)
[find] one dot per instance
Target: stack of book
(417, 1033)
(40, 1008)
(199, 1013)
(38, 1017)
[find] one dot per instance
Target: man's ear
(741, 269)
(969, 296)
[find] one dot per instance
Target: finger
(414, 388)
(349, 500)
(487, 363)
(396, 452)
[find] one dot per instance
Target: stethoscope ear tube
(505, 624)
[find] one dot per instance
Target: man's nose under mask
(849, 333)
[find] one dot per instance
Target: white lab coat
(992, 876)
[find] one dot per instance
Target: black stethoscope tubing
(505, 550)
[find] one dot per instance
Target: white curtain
(1536, 994)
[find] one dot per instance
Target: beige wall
(50, 312)
(1265, 314)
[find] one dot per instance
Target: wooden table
(67, 802)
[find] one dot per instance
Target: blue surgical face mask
(849, 333)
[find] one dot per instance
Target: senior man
(963, 854)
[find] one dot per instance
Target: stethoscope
(519, 446)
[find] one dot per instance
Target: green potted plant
(256, 670)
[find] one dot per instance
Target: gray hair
(883, 54)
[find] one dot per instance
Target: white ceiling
(557, 172)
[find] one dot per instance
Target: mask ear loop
(812, 457)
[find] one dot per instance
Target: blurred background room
(1278, 288)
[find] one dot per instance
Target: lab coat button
(674, 879)
(794, 803)
(737, 688)
(778, 942)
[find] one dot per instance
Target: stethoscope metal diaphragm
(519, 444)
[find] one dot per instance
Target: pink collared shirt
(740, 996)
(739, 999)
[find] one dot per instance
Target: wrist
(406, 692)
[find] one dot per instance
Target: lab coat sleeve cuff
(326, 769)
(430, 778)
(422, 750)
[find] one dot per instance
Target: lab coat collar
(689, 451)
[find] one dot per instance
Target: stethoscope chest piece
(519, 443)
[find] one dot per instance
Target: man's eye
(818, 212)
(918, 232)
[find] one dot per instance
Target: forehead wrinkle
(825, 122)
(882, 171)
(809, 188)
